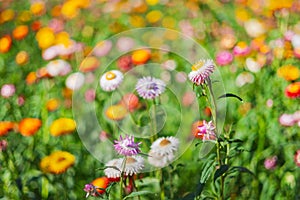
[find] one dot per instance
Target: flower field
(150, 99)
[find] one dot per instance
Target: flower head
(58, 162)
(163, 151)
(149, 87)
(224, 58)
(111, 80)
(270, 163)
(293, 90)
(201, 71)
(8, 90)
(126, 146)
(113, 168)
(206, 131)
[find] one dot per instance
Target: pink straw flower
(224, 58)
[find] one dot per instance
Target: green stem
(154, 125)
(220, 164)
(171, 183)
(121, 177)
(162, 187)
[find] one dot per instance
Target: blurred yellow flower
(7, 15)
(154, 16)
(62, 38)
(22, 58)
(152, 2)
(278, 4)
(69, 9)
(52, 104)
(62, 126)
(45, 37)
(289, 72)
(116, 112)
(137, 21)
(37, 8)
(241, 14)
(24, 16)
(57, 162)
(168, 22)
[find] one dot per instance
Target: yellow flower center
(110, 75)
(197, 66)
(130, 160)
(164, 142)
(294, 88)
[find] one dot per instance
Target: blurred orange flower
(89, 64)
(101, 183)
(140, 56)
(289, 72)
(22, 58)
(62, 126)
(293, 90)
(20, 32)
(57, 162)
(52, 104)
(29, 126)
(116, 112)
(36, 25)
(5, 127)
(5, 43)
(31, 78)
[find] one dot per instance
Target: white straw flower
(149, 87)
(165, 145)
(111, 80)
(75, 81)
(201, 71)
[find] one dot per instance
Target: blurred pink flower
(286, 120)
(21, 100)
(125, 63)
(90, 95)
(102, 48)
(288, 35)
(186, 28)
(224, 58)
(125, 44)
(3, 145)
(269, 103)
(270, 163)
(8, 90)
(188, 98)
(56, 25)
(241, 49)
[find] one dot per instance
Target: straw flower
(111, 80)
(201, 71)
(149, 87)
(126, 146)
(62, 126)
(29, 126)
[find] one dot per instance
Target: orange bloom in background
(42, 73)
(56, 11)
(195, 126)
(22, 58)
(20, 32)
(7, 15)
(57, 162)
(52, 104)
(154, 16)
(5, 43)
(130, 101)
(102, 183)
(29, 126)
(289, 72)
(89, 64)
(5, 127)
(140, 56)
(31, 78)
(116, 112)
(69, 9)
(293, 90)
(62, 126)
(45, 37)
(36, 25)
(38, 8)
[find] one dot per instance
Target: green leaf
(135, 194)
(230, 95)
(220, 171)
(242, 169)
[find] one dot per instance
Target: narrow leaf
(135, 194)
(242, 169)
(230, 95)
(220, 171)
